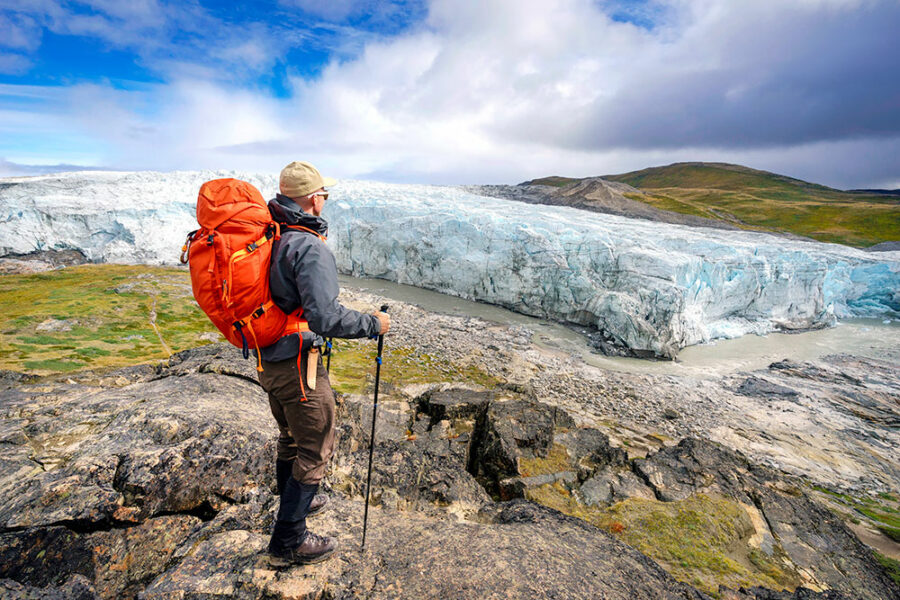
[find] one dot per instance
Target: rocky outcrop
(157, 483)
(417, 463)
(884, 247)
(818, 544)
(106, 479)
(39, 261)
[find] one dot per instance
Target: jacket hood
(285, 210)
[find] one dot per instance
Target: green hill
(761, 200)
(553, 180)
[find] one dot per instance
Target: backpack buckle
(210, 239)
(258, 312)
(252, 246)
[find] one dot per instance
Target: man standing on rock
(304, 276)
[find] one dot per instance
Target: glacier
(651, 288)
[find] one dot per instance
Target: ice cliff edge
(649, 287)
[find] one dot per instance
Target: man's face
(318, 199)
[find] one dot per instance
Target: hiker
(304, 276)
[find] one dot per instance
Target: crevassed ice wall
(650, 287)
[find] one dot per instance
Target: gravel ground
(820, 431)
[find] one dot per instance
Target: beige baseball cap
(302, 179)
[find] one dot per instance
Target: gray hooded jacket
(304, 274)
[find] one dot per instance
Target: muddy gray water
(874, 338)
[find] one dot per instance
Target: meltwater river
(875, 338)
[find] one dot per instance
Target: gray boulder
(611, 486)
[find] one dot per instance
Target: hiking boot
(319, 504)
(313, 549)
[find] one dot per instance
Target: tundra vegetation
(95, 316)
(758, 200)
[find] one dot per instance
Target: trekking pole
(384, 308)
(328, 347)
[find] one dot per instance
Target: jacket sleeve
(315, 273)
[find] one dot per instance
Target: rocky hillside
(156, 482)
(598, 195)
(730, 196)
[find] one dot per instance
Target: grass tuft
(882, 513)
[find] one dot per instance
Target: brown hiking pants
(305, 428)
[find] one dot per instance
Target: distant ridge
(755, 199)
(553, 180)
(876, 191)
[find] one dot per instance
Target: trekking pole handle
(384, 309)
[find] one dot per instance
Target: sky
(453, 91)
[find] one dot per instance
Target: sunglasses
(323, 194)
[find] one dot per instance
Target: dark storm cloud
(766, 80)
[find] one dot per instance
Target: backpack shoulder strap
(307, 229)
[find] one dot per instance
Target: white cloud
(20, 32)
(165, 37)
(333, 10)
(501, 91)
(13, 64)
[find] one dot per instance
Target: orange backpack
(229, 260)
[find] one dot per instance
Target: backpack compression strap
(297, 324)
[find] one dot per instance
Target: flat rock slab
(548, 557)
(524, 551)
(98, 455)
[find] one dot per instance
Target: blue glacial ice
(649, 287)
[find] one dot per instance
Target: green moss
(90, 351)
(53, 365)
(703, 540)
(45, 340)
(885, 519)
(880, 514)
(842, 497)
(353, 367)
(891, 520)
(557, 460)
(890, 565)
(891, 532)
